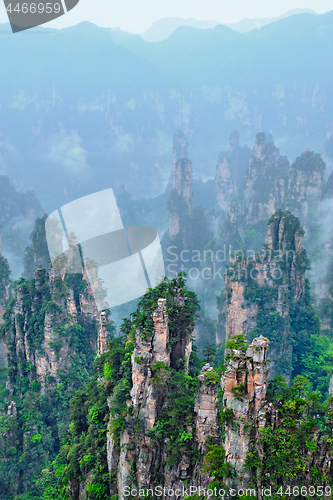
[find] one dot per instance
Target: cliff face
(4, 296)
(180, 146)
(305, 183)
(262, 288)
(152, 360)
(265, 184)
(270, 185)
(50, 344)
(181, 197)
(245, 384)
(155, 417)
(42, 312)
(230, 171)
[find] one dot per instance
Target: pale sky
(138, 15)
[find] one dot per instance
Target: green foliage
(290, 443)
(239, 390)
(310, 162)
(226, 415)
(236, 343)
(212, 378)
(216, 467)
(112, 378)
(176, 418)
(209, 353)
(31, 440)
(84, 447)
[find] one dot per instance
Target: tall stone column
(102, 334)
(245, 384)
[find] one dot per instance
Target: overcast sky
(138, 15)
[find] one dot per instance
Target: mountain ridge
(163, 28)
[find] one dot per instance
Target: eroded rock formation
(244, 383)
(265, 184)
(151, 358)
(181, 197)
(230, 171)
(271, 185)
(263, 286)
(102, 334)
(305, 183)
(206, 408)
(34, 332)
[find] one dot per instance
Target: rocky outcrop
(42, 309)
(181, 197)
(265, 181)
(151, 359)
(4, 296)
(328, 154)
(305, 183)
(244, 384)
(147, 352)
(180, 146)
(12, 409)
(263, 285)
(230, 171)
(206, 408)
(240, 317)
(271, 185)
(102, 340)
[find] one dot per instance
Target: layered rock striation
(181, 197)
(39, 322)
(265, 185)
(244, 384)
(230, 170)
(270, 185)
(151, 361)
(264, 289)
(305, 184)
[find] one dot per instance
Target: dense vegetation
(30, 435)
(83, 454)
(53, 428)
(48, 449)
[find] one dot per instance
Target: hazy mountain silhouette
(163, 28)
(98, 107)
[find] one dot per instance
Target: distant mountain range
(163, 28)
(85, 108)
